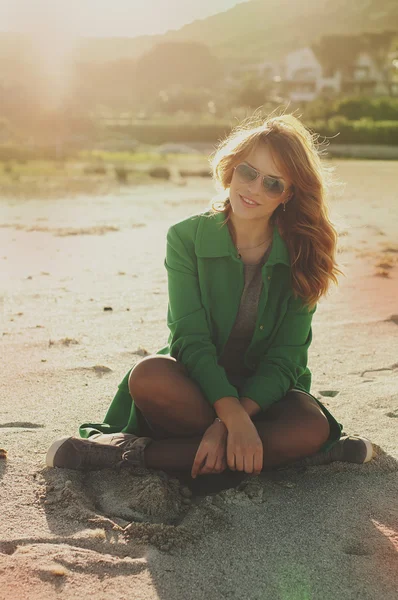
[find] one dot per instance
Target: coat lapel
(213, 240)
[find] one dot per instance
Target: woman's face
(241, 188)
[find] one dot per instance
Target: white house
(365, 76)
(302, 77)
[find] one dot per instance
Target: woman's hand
(244, 446)
(211, 454)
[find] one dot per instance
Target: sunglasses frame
(264, 177)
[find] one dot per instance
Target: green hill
(251, 31)
(263, 28)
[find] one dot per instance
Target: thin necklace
(251, 248)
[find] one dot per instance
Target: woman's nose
(256, 185)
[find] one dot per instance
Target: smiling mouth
(248, 201)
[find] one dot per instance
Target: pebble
(186, 492)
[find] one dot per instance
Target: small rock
(329, 393)
(185, 492)
(141, 351)
(101, 369)
(383, 273)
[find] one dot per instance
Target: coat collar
(213, 239)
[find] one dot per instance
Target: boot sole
(370, 450)
(53, 450)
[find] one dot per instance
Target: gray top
(242, 331)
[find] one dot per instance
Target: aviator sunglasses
(274, 188)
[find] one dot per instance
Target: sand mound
(145, 507)
(150, 497)
(118, 496)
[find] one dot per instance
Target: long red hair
(305, 225)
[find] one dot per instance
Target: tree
(192, 100)
(252, 94)
(187, 64)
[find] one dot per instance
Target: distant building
(393, 72)
(303, 78)
(365, 76)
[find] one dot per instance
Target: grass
(53, 178)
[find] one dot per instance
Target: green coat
(205, 284)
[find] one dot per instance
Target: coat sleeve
(286, 359)
(190, 338)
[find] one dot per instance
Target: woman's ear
(290, 196)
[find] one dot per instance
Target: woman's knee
(313, 432)
(301, 427)
(152, 371)
(312, 427)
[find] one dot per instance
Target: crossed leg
(178, 415)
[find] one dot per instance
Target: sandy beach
(83, 298)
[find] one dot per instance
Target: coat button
(261, 327)
(269, 277)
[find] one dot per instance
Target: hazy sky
(105, 17)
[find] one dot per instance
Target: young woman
(231, 390)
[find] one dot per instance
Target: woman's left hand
(211, 454)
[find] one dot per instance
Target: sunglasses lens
(273, 187)
(245, 172)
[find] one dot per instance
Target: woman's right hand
(210, 456)
(244, 446)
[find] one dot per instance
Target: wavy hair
(305, 226)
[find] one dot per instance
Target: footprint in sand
(380, 370)
(357, 548)
(98, 369)
(393, 318)
(54, 558)
(63, 342)
(24, 424)
(393, 414)
(329, 393)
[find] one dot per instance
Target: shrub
(378, 109)
(160, 172)
(121, 174)
(340, 130)
(94, 170)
